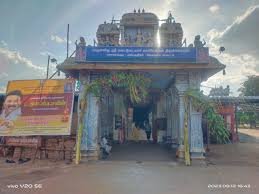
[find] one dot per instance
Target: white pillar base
(180, 151)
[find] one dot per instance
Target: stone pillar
(89, 144)
(91, 122)
(181, 83)
(169, 114)
(181, 126)
(155, 35)
(174, 117)
(84, 80)
(122, 35)
(196, 135)
(195, 127)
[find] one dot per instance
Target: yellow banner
(37, 107)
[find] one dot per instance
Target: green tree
(220, 91)
(250, 87)
(242, 118)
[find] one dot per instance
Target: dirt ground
(251, 132)
(233, 167)
(248, 135)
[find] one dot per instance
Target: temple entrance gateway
(131, 46)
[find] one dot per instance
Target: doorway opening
(140, 115)
(130, 138)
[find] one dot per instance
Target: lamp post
(48, 67)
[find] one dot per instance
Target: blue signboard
(139, 55)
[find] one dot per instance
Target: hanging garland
(135, 84)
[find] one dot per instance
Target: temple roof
(108, 28)
(234, 100)
(139, 19)
(133, 47)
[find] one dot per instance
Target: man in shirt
(11, 109)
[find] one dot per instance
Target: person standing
(147, 129)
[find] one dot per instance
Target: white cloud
(43, 43)
(3, 75)
(13, 57)
(238, 67)
(163, 9)
(242, 50)
(14, 66)
(237, 70)
(242, 35)
(3, 43)
(59, 39)
(248, 12)
(214, 8)
(46, 53)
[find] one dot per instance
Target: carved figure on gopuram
(190, 45)
(198, 43)
(126, 39)
(139, 28)
(148, 39)
(170, 18)
(171, 33)
(108, 34)
(107, 41)
(139, 39)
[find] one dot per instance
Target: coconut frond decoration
(135, 84)
(216, 125)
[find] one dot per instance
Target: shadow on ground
(132, 151)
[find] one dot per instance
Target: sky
(33, 29)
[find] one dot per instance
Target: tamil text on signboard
(142, 54)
